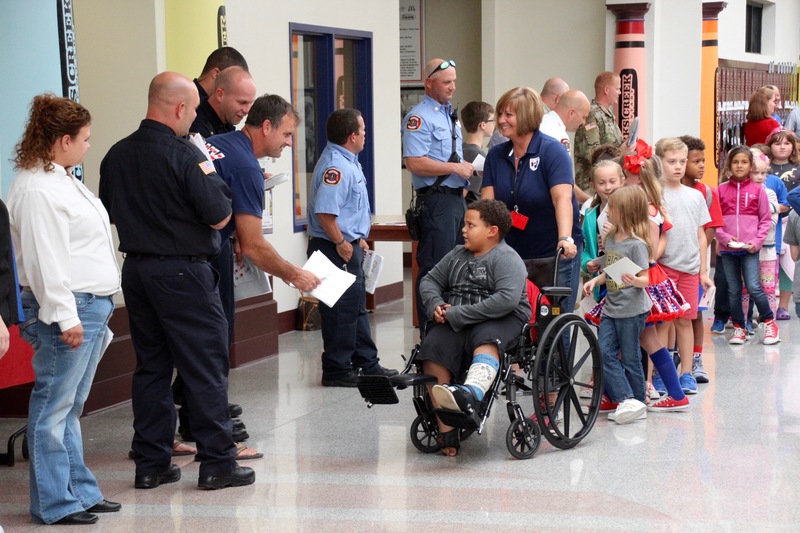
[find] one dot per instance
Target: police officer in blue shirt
(432, 153)
(338, 224)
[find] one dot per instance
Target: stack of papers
(334, 280)
(277, 179)
(372, 265)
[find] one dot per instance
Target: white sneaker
(768, 332)
(628, 411)
(652, 392)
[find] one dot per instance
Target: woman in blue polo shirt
(532, 174)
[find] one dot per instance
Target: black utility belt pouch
(413, 216)
(416, 207)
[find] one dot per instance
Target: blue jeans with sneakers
(623, 378)
(60, 482)
(738, 267)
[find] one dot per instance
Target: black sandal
(449, 439)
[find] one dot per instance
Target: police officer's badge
(534, 163)
(413, 123)
(332, 176)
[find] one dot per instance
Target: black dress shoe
(238, 477)
(81, 518)
(347, 380)
(235, 410)
(105, 506)
(380, 371)
(151, 481)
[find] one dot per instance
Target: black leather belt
(441, 190)
(191, 258)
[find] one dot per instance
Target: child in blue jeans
(746, 218)
(627, 304)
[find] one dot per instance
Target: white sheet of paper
(277, 179)
(334, 280)
(600, 261)
(623, 266)
(587, 304)
(372, 265)
(478, 163)
(107, 338)
(198, 141)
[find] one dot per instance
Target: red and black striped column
(630, 63)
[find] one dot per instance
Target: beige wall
(453, 31)
(120, 49)
(525, 42)
(260, 30)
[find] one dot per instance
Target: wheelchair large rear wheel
(423, 435)
(567, 358)
(523, 438)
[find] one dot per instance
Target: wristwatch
(568, 239)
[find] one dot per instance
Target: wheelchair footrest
(402, 381)
(459, 419)
(377, 390)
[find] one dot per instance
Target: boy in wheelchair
(485, 310)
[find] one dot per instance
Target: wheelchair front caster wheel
(423, 435)
(523, 438)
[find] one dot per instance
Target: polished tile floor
(731, 463)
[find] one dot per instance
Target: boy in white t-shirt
(684, 258)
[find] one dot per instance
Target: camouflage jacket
(600, 128)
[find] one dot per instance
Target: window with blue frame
(330, 69)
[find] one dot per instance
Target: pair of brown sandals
(243, 453)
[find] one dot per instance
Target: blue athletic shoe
(718, 327)
(688, 384)
(658, 384)
(748, 328)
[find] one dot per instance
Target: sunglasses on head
(444, 65)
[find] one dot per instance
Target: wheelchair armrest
(401, 381)
(556, 291)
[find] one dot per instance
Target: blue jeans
(60, 482)
(738, 267)
(569, 275)
(722, 307)
(624, 378)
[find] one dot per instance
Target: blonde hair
(670, 144)
(630, 206)
(601, 164)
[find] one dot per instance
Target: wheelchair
(559, 354)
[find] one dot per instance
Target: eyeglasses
(444, 65)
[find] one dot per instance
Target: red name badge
(518, 220)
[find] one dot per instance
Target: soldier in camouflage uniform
(600, 127)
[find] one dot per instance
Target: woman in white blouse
(68, 273)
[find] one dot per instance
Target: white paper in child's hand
(623, 266)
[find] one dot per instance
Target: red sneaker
(668, 403)
(607, 405)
